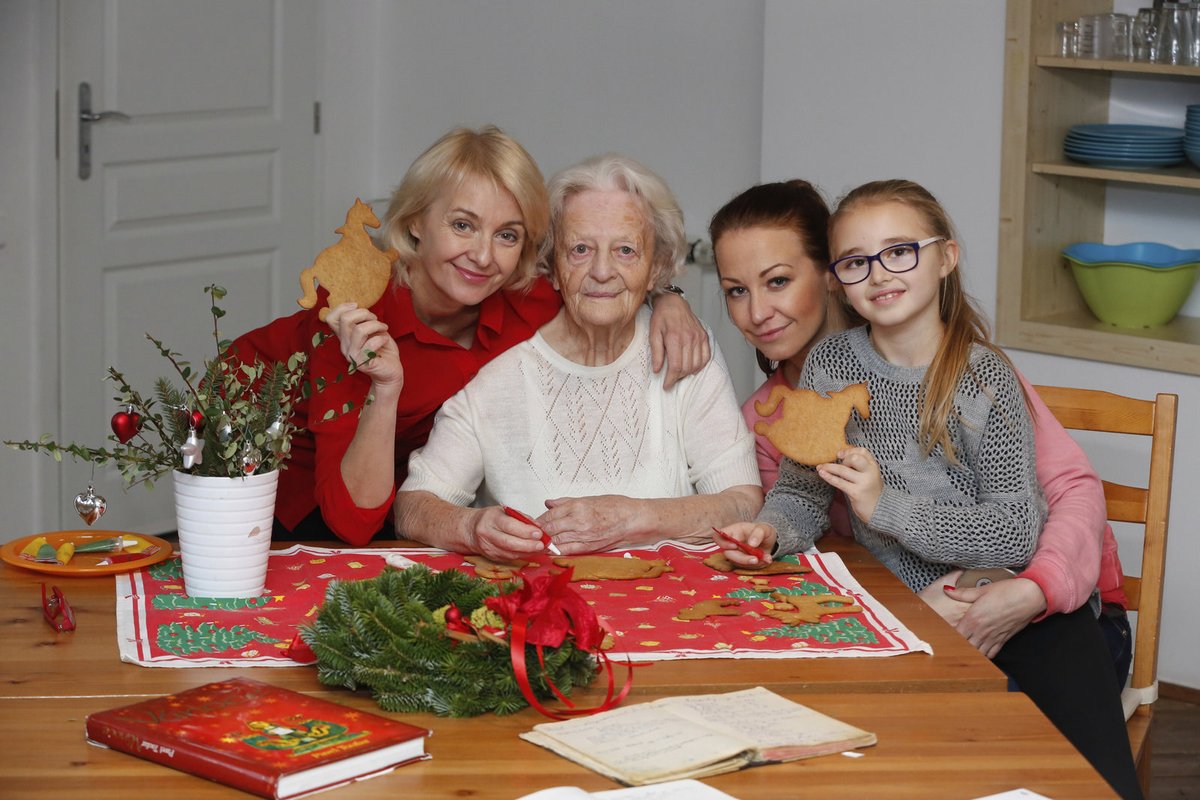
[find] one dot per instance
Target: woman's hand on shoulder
(678, 338)
(753, 535)
(365, 342)
(857, 475)
(500, 537)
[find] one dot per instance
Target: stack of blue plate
(1191, 135)
(1127, 146)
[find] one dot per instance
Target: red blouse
(434, 369)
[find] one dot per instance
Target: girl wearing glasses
(942, 474)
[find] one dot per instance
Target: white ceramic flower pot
(225, 532)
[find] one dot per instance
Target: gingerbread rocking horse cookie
(812, 429)
(354, 270)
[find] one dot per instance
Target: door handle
(86, 119)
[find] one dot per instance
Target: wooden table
(945, 726)
(39, 662)
(948, 745)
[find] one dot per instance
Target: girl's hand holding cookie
(857, 475)
(365, 342)
(751, 534)
(500, 537)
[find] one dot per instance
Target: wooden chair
(1086, 409)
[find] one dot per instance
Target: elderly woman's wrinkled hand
(678, 339)
(500, 537)
(752, 534)
(591, 524)
(365, 342)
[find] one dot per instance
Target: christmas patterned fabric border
(157, 625)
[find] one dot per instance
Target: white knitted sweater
(532, 426)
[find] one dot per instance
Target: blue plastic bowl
(1142, 254)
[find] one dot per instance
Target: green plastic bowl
(1134, 296)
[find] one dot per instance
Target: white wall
(918, 93)
(673, 83)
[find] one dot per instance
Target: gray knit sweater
(934, 515)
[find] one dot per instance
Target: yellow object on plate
(30, 550)
(64, 552)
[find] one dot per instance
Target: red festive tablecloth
(159, 626)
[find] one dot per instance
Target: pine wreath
(388, 634)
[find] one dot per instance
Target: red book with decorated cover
(260, 738)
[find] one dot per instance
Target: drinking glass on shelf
(1105, 36)
(1067, 34)
(1173, 30)
(1145, 35)
(1192, 17)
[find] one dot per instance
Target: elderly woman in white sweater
(573, 427)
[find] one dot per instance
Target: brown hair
(489, 154)
(795, 206)
(965, 324)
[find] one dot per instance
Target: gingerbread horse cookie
(812, 428)
(354, 269)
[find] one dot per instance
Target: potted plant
(223, 431)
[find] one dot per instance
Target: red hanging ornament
(197, 420)
(126, 424)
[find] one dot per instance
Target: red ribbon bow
(543, 612)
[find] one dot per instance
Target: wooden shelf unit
(1048, 202)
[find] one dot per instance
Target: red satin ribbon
(543, 613)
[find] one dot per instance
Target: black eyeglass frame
(916, 248)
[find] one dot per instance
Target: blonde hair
(621, 173)
(488, 154)
(965, 323)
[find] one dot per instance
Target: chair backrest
(1091, 410)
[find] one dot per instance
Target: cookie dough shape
(721, 563)
(354, 270)
(812, 428)
(612, 568)
(793, 609)
(716, 607)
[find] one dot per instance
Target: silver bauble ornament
(90, 505)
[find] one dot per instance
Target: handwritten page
(793, 727)
(696, 736)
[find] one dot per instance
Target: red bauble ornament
(453, 615)
(197, 420)
(126, 424)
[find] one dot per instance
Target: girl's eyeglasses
(57, 610)
(897, 258)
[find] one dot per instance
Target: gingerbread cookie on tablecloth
(612, 568)
(498, 570)
(812, 428)
(715, 607)
(792, 609)
(720, 562)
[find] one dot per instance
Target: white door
(211, 179)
